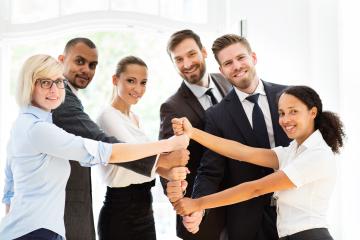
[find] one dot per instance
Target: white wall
(296, 41)
(279, 34)
(349, 35)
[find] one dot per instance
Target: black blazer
(78, 217)
(228, 120)
(185, 104)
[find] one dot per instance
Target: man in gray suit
(199, 91)
(80, 59)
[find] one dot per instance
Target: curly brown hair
(328, 123)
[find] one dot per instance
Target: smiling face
(51, 98)
(131, 83)
(237, 64)
(295, 118)
(189, 61)
(80, 63)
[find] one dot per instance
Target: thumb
(184, 185)
(176, 121)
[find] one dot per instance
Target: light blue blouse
(37, 170)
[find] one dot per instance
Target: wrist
(199, 205)
(163, 163)
(168, 143)
(193, 133)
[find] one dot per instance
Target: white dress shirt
(264, 105)
(117, 124)
(73, 89)
(311, 168)
(200, 91)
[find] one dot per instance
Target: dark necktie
(258, 121)
(211, 95)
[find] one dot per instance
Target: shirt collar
(259, 89)
(199, 91)
(37, 112)
(73, 89)
(312, 141)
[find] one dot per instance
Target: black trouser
(127, 213)
(267, 230)
(40, 234)
(311, 234)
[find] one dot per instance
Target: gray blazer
(185, 104)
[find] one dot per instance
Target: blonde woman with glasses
(37, 166)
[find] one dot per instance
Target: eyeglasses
(47, 83)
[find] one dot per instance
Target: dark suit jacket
(78, 217)
(228, 120)
(185, 104)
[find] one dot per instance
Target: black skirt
(127, 213)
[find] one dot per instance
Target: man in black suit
(80, 59)
(198, 92)
(233, 118)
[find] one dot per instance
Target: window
(40, 27)
(38, 10)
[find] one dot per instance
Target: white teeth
(289, 128)
(191, 70)
(240, 74)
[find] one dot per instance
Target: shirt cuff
(99, 152)
(7, 197)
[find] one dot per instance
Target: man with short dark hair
(248, 114)
(198, 92)
(80, 59)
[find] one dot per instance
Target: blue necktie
(258, 122)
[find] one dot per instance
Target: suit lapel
(191, 100)
(271, 95)
(236, 110)
(73, 96)
(221, 89)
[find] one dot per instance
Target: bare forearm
(236, 150)
(222, 146)
(276, 181)
(229, 196)
(125, 152)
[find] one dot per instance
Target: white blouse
(117, 124)
(311, 167)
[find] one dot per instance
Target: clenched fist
(178, 158)
(175, 190)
